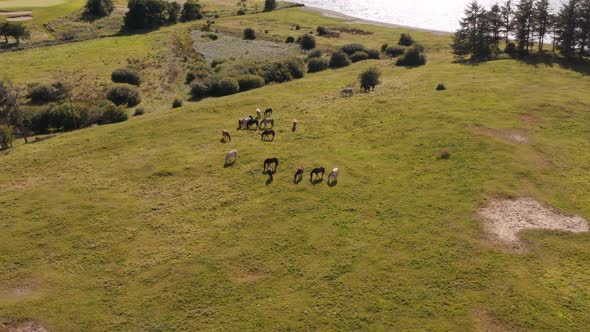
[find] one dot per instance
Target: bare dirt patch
(20, 13)
(17, 290)
(249, 275)
(30, 326)
(486, 322)
(511, 135)
(505, 218)
(19, 18)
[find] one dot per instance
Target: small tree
(5, 137)
(145, 14)
(249, 34)
(191, 10)
(173, 10)
(339, 60)
(307, 42)
(98, 8)
(15, 30)
(315, 65)
(270, 5)
(412, 57)
(405, 40)
(369, 79)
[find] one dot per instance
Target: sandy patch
(505, 218)
(19, 18)
(22, 327)
(21, 13)
(511, 135)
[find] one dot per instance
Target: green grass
(138, 226)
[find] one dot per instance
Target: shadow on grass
(269, 181)
(315, 182)
(229, 164)
(297, 180)
(579, 65)
(332, 184)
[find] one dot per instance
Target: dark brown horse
(271, 171)
(268, 112)
(267, 133)
(298, 175)
(268, 162)
(252, 122)
(317, 172)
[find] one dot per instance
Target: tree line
(523, 26)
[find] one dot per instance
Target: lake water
(443, 15)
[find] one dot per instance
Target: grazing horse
(267, 121)
(251, 123)
(268, 162)
(225, 135)
(268, 112)
(298, 174)
(266, 133)
(243, 123)
(333, 177)
(294, 126)
(258, 113)
(232, 154)
(348, 92)
(271, 171)
(367, 88)
(317, 172)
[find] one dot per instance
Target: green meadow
(138, 226)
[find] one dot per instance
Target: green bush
(199, 91)
(405, 40)
(191, 10)
(113, 114)
(139, 112)
(370, 78)
(270, 5)
(412, 57)
(395, 51)
(384, 47)
(92, 115)
(359, 56)
(250, 82)
(126, 75)
(315, 53)
(45, 93)
(249, 34)
(177, 103)
(145, 14)
(290, 40)
(322, 31)
(440, 87)
(315, 65)
(307, 42)
(124, 94)
(296, 67)
(5, 137)
(224, 87)
(350, 49)
(339, 60)
(374, 54)
(98, 8)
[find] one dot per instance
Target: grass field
(138, 226)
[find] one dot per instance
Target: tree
(507, 24)
(15, 30)
(307, 42)
(541, 21)
(145, 14)
(495, 23)
(270, 5)
(191, 10)
(567, 21)
(10, 112)
(473, 34)
(173, 10)
(584, 27)
(98, 8)
(523, 19)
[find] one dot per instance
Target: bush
(92, 115)
(359, 56)
(350, 49)
(139, 112)
(405, 40)
(5, 137)
(510, 49)
(177, 103)
(224, 87)
(339, 60)
(65, 118)
(296, 67)
(384, 47)
(444, 154)
(413, 56)
(290, 40)
(374, 54)
(191, 10)
(217, 62)
(250, 82)
(276, 72)
(322, 31)
(98, 8)
(241, 12)
(249, 34)
(307, 42)
(199, 91)
(440, 87)
(270, 5)
(41, 121)
(370, 78)
(45, 93)
(395, 51)
(113, 114)
(145, 14)
(126, 75)
(315, 65)
(315, 53)
(124, 94)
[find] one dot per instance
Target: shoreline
(357, 20)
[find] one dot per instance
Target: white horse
(333, 177)
(258, 113)
(348, 92)
(267, 121)
(232, 154)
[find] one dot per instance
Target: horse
(232, 154)
(225, 135)
(348, 92)
(333, 177)
(267, 121)
(243, 123)
(367, 88)
(268, 112)
(251, 123)
(317, 172)
(271, 171)
(258, 113)
(266, 133)
(271, 161)
(294, 126)
(298, 175)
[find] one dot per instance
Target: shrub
(315, 53)
(191, 10)
(510, 49)
(98, 8)
(370, 78)
(92, 115)
(296, 67)
(315, 65)
(307, 42)
(64, 118)
(113, 114)
(145, 14)
(405, 40)
(359, 56)
(241, 12)
(322, 31)
(395, 51)
(270, 5)
(217, 62)
(444, 154)
(177, 103)
(384, 47)
(5, 137)
(139, 112)
(124, 94)
(350, 49)
(440, 87)
(339, 60)
(249, 34)
(224, 87)
(374, 54)
(45, 93)
(413, 56)
(41, 121)
(126, 75)
(250, 82)
(199, 91)
(276, 72)
(290, 40)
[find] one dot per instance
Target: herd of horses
(271, 164)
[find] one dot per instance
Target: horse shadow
(223, 141)
(332, 184)
(316, 181)
(297, 180)
(229, 164)
(268, 181)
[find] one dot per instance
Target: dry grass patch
(486, 322)
(510, 135)
(30, 326)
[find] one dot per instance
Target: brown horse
(294, 126)
(268, 112)
(271, 171)
(317, 172)
(225, 135)
(266, 122)
(268, 162)
(298, 175)
(267, 133)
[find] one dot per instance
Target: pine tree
(542, 21)
(507, 17)
(473, 36)
(495, 22)
(567, 20)
(270, 5)
(584, 27)
(523, 20)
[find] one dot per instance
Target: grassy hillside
(138, 226)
